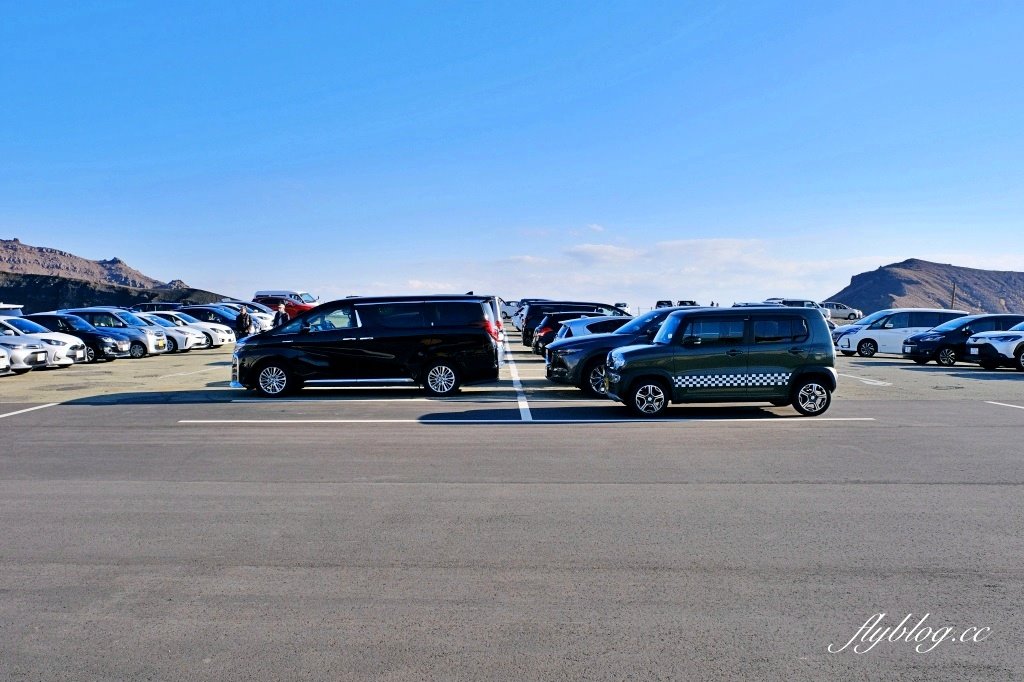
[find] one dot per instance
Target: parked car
(686, 303)
(438, 342)
(5, 361)
(262, 320)
(580, 361)
(24, 353)
(11, 309)
(997, 348)
(100, 344)
(62, 350)
(152, 306)
(535, 312)
(624, 307)
(179, 339)
(295, 302)
(885, 331)
(146, 338)
(841, 311)
(802, 303)
(212, 313)
(517, 317)
(773, 355)
(583, 326)
(216, 334)
(545, 332)
(947, 343)
(665, 303)
(508, 308)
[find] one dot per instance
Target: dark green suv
(783, 356)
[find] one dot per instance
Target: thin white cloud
(424, 285)
(594, 227)
(602, 253)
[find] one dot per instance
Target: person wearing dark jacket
(243, 323)
(280, 317)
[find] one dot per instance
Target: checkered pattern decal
(726, 380)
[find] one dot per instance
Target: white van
(885, 330)
(297, 296)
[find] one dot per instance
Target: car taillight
(543, 330)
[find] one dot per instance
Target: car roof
(454, 298)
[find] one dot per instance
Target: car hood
(53, 336)
(989, 335)
(846, 328)
(923, 335)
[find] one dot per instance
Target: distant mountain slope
(45, 292)
(920, 283)
(24, 259)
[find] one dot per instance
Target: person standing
(280, 317)
(243, 323)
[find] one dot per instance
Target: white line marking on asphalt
(185, 374)
(782, 420)
(524, 407)
(28, 409)
(992, 402)
(865, 380)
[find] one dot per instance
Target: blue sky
(627, 151)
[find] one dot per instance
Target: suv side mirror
(304, 329)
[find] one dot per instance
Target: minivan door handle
(733, 353)
(796, 351)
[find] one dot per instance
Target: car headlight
(1007, 338)
(10, 345)
(55, 342)
(615, 361)
(933, 337)
(107, 339)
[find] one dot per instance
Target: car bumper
(912, 351)
(28, 359)
(118, 349)
(613, 385)
(985, 352)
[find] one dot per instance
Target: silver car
(25, 354)
(181, 339)
(62, 350)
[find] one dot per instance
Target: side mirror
(304, 329)
(651, 333)
(8, 332)
(966, 331)
(887, 325)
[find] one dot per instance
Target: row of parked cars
(61, 338)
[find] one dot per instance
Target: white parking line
(992, 402)
(185, 374)
(865, 380)
(740, 420)
(524, 406)
(28, 409)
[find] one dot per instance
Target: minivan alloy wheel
(441, 379)
(273, 380)
(867, 348)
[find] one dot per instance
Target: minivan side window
(393, 315)
(457, 313)
(338, 318)
(985, 324)
(927, 320)
(781, 330)
(714, 332)
(898, 321)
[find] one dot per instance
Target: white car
(884, 331)
(62, 350)
(24, 354)
(5, 361)
(997, 349)
(841, 311)
(181, 339)
(216, 334)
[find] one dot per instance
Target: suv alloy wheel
(811, 397)
(648, 398)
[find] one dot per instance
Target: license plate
(41, 356)
(906, 349)
(160, 344)
(80, 355)
(974, 351)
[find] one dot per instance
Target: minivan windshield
(668, 330)
(868, 319)
(1017, 328)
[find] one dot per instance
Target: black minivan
(438, 342)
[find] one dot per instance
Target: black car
(535, 312)
(947, 343)
(438, 342)
(144, 338)
(100, 344)
(211, 313)
(547, 330)
(580, 361)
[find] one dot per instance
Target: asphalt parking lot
(158, 524)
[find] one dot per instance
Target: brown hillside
(44, 292)
(23, 259)
(920, 283)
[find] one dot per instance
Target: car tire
(851, 316)
(91, 354)
(811, 397)
(137, 350)
(867, 348)
(209, 339)
(594, 371)
(946, 356)
(848, 353)
(441, 379)
(273, 380)
(649, 398)
(990, 366)
(172, 345)
(1019, 360)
